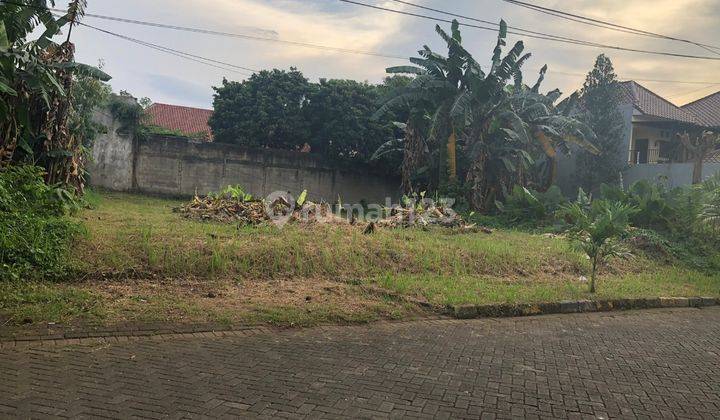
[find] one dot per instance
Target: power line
(495, 24)
(681, 94)
(212, 32)
(608, 25)
(220, 33)
(192, 57)
(549, 38)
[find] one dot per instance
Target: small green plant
(235, 192)
(596, 231)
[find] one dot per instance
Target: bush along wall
(36, 232)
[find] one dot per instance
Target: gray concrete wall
(178, 166)
(670, 174)
(111, 165)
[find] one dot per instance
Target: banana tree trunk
(412, 156)
(476, 179)
(452, 157)
(551, 155)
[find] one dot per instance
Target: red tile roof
(650, 103)
(706, 110)
(187, 120)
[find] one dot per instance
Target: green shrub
(654, 209)
(528, 206)
(36, 234)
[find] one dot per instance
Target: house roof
(652, 104)
(185, 119)
(706, 110)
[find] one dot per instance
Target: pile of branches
(424, 216)
(233, 205)
(224, 209)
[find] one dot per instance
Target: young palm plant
(710, 213)
(597, 230)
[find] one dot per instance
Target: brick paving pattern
(637, 364)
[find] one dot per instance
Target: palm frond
(405, 70)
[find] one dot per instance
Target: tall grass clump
(36, 233)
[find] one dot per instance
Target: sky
(165, 78)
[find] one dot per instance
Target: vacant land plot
(140, 261)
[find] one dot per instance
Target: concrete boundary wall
(178, 166)
(671, 174)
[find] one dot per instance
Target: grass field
(140, 261)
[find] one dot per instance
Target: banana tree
(532, 121)
(35, 78)
(438, 82)
(478, 109)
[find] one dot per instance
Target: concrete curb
(578, 306)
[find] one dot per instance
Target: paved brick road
(651, 364)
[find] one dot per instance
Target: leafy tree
(340, 116)
(596, 230)
(699, 146)
(439, 82)
(600, 97)
(88, 93)
(264, 111)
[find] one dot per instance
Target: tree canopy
(600, 97)
(265, 111)
(341, 125)
(41, 122)
(282, 110)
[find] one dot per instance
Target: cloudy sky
(170, 79)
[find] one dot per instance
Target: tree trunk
(697, 169)
(698, 147)
(592, 276)
(477, 181)
(452, 157)
(551, 155)
(413, 155)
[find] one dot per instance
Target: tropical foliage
(35, 234)
(486, 130)
(597, 230)
(38, 116)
